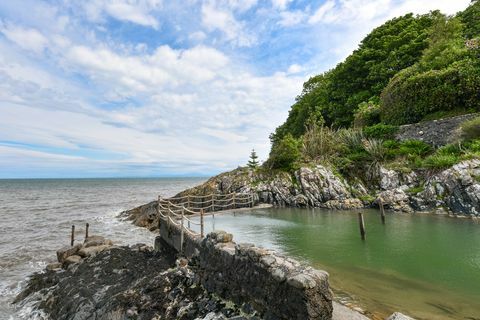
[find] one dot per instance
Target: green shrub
(471, 129)
(380, 131)
(454, 149)
(414, 148)
(352, 139)
(284, 153)
(440, 161)
(367, 114)
(375, 149)
(415, 190)
(473, 145)
(320, 142)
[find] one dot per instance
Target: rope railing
(177, 212)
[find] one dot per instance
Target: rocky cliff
(455, 190)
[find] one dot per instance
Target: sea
(36, 217)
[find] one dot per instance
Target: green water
(427, 266)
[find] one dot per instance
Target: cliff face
(455, 190)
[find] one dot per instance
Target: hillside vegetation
(410, 69)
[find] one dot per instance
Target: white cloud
(280, 4)
(294, 68)
(26, 38)
(135, 11)
(215, 18)
(291, 18)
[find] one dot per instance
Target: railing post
(213, 201)
(234, 200)
(86, 231)
(188, 201)
(201, 223)
(72, 237)
(181, 234)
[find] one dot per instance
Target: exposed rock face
(129, 283)
(436, 132)
(457, 189)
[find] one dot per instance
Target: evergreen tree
(253, 162)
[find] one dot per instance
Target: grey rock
(399, 316)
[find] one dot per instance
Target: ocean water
(36, 218)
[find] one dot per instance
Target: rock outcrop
(129, 283)
(455, 190)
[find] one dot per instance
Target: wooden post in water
(86, 231)
(382, 210)
(361, 222)
(201, 223)
(72, 237)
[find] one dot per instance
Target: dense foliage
(410, 69)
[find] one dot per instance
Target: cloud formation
(156, 88)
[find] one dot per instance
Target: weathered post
(234, 206)
(181, 234)
(201, 223)
(382, 211)
(188, 201)
(361, 222)
(213, 201)
(86, 231)
(72, 237)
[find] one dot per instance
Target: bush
(375, 149)
(440, 161)
(414, 148)
(367, 114)
(284, 153)
(352, 139)
(471, 129)
(380, 131)
(320, 142)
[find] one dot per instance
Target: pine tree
(253, 162)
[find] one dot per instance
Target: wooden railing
(180, 210)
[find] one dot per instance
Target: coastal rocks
(127, 283)
(320, 185)
(396, 200)
(457, 189)
(69, 255)
(347, 204)
(67, 251)
(399, 316)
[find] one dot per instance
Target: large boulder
(67, 251)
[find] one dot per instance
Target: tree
(253, 162)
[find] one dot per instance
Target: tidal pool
(425, 265)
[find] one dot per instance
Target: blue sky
(107, 88)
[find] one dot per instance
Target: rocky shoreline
(121, 282)
(99, 280)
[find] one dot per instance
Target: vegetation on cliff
(411, 69)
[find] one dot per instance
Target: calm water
(424, 265)
(36, 217)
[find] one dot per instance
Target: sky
(152, 88)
